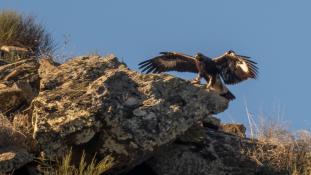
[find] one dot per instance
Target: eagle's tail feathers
(228, 95)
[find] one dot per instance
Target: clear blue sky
(276, 34)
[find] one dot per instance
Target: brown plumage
(231, 67)
(169, 61)
(235, 68)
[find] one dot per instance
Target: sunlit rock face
(98, 105)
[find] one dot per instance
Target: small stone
(139, 113)
(150, 116)
(84, 136)
(131, 101)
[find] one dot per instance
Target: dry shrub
(24, 31)
(279, 150)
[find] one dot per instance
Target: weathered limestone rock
(18, 85)
(99, 105)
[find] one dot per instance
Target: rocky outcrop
(124, 114)
(97, 105)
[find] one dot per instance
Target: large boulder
(205, 151)
(98, 105)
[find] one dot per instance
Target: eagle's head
(230, 52)
(199, 56)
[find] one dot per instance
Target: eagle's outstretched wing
(169, 61)
(236, 68)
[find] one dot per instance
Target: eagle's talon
(208, 88)
(195, 82)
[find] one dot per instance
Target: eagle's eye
(231, 52)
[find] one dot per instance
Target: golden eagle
(230, 67)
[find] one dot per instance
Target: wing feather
(236, 68)
(169, 61)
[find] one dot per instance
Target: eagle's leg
(211, 81)
(197, 79)
(208, 84)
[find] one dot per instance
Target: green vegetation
(24, 32)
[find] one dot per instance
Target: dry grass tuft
(65, 167)
(279, 150)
